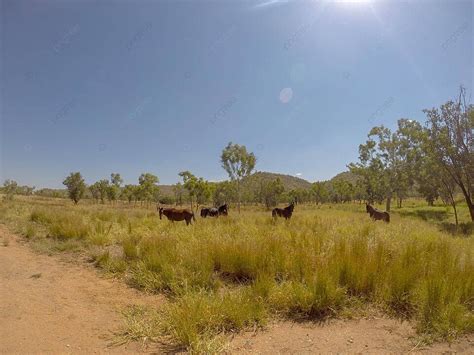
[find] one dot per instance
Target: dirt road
(53, 306)
(48, 305)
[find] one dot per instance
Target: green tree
(204, 191)
(429, 176)
(114, 188)
(199, 189)
(238, 163)
(383, 163)
(75, 186)
(95, 191)
(189, 183)
(271, 191)
(103, 189)
(343, 191)
(10, 188)
(320, 192)
(224, 192)
(451, 142)
(178, 191)
(371, 174)
(149, 190)
(129, 192)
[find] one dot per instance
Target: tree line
(431, 160)
(435, 158)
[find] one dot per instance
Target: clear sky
(163, 86)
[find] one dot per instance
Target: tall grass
(228, 274)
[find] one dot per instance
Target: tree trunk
(470, 205)
(453, 203)
(387, 205)
(469, 202)
(238, 195)
(455, 212)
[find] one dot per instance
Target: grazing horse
(284, 212)
(377, 215)
(222, 210)
(209, 212)
(174, 214)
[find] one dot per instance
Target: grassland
(228, 274)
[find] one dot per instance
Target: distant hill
(166, 190)
(346, 175)
(288, 181)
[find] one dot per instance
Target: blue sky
(163, 86)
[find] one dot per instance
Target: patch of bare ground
(55, 306)
(372, 335)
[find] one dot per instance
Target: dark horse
(174, 214)
(222, 210)
(209, 212)
(377, 215)
(284, 212)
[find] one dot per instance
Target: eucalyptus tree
(224, 192)
(75, 186)
(388, 161)
(199, 189)
(129, 192)
(238, 163)
(95, 191)
(178, 191)
(320, 192)
(113, 191)
(371, 171)
(271, 191)
(149, 189)
(450, 139)
(10, 187)
(103, 189)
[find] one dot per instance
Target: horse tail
(274, 213)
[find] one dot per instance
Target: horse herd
(176, 214)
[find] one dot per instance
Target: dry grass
(227, 274)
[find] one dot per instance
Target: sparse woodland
(330, 260)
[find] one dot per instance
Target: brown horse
(284, 212)
(174, 214)
(222, 210)
(377, 215)
(209, 212)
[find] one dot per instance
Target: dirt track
(54, 306)
(48, 305)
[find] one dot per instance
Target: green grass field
(228, 274)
